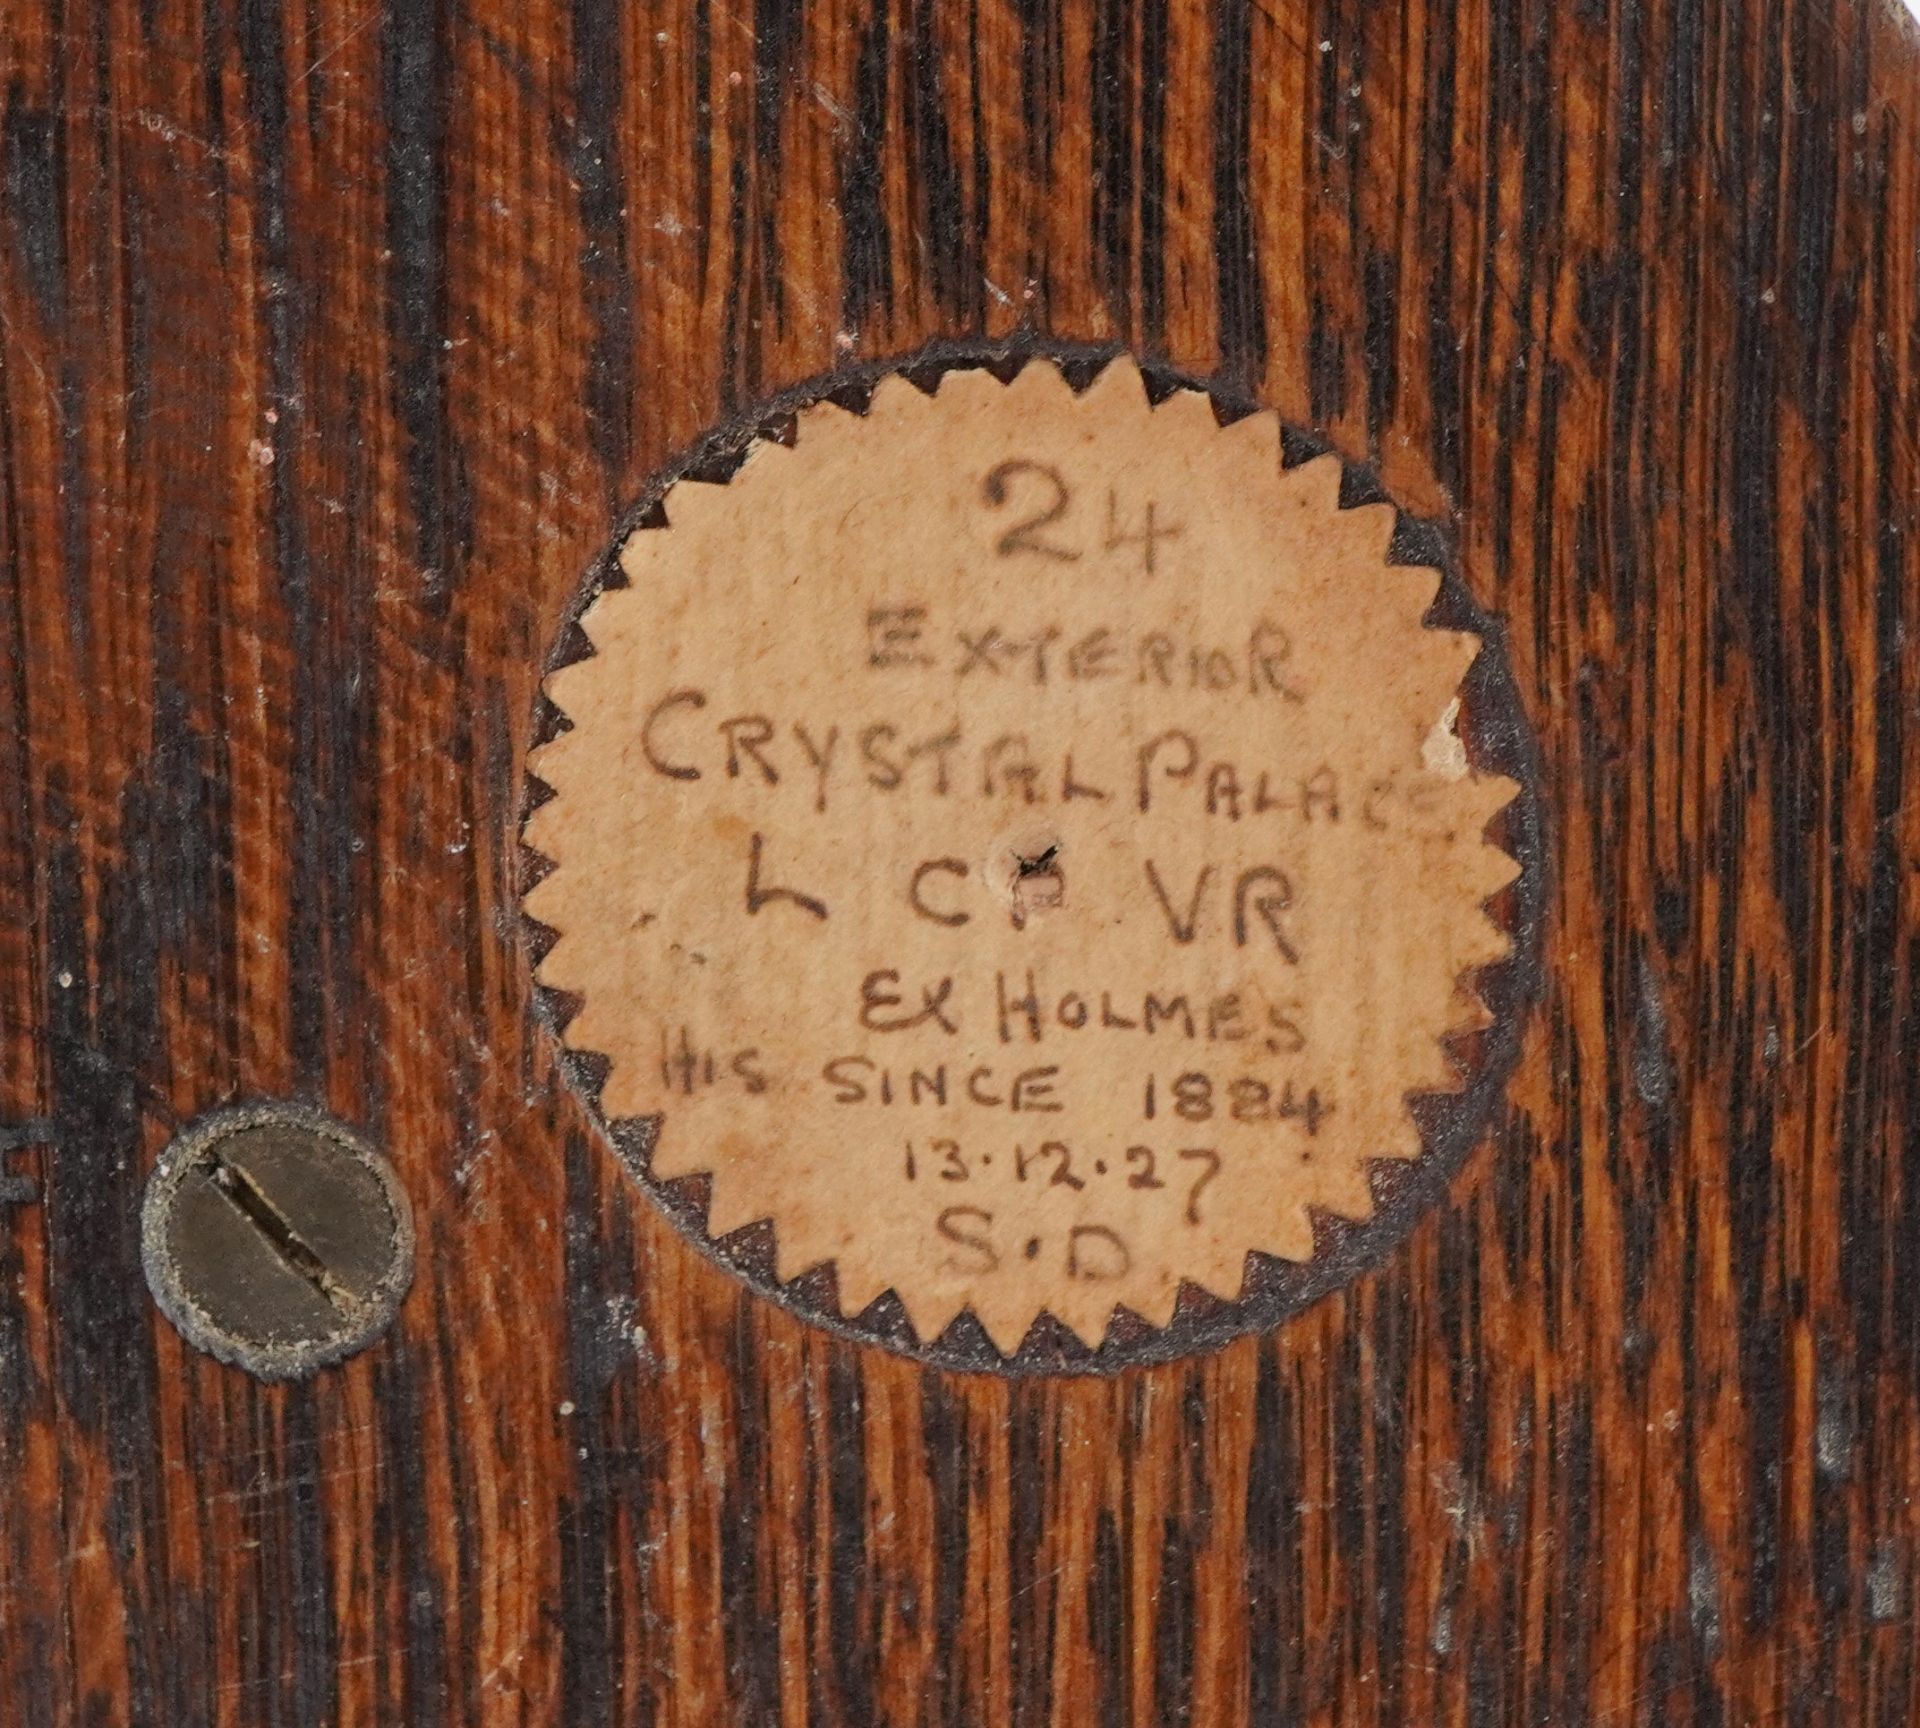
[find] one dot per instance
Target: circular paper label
(1016, 841)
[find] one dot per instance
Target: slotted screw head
(276, 1239)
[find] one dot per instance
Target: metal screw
(276, 1239)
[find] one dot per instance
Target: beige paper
(1017, 843)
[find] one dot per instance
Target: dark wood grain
(335, 337)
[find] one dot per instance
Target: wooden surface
(334, 339)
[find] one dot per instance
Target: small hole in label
(1040, 864)
(1038, 882)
